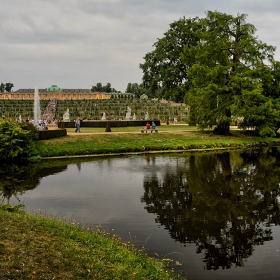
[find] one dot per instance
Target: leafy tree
(8, 87)
(100, 88)
(164, 72)
(230, 66)
(135, 88)
(107, 88)
(261, 107)
(97, 88)
(2, 87)
(219, 67)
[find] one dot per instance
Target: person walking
(78, 125)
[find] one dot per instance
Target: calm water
(217, 214)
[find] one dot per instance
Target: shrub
(16, 141)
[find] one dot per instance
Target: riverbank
(171, 138)
(35, 247)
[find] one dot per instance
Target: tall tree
(107, 88)
(164, 72)
(228, 68)
(2, 87)
(97, 88)
(8, 87)
(135, 88)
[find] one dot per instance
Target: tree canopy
(220, 69)
(100, 88)
(135, 88)
(6, 87)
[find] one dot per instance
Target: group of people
(150, 127)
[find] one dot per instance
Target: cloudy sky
(78, 43)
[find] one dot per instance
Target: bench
(146, 129)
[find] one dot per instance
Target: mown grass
(33, 247)
(121, 140)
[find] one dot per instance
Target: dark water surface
(218, 214)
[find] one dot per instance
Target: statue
(146, 116)
(66, 116)
(134, 117)
(103, 116)
(128, 114)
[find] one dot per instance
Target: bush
(17, 141)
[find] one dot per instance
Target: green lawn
(122, 140)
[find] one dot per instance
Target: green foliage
(164, 72)
(2, 88)
(229, 68)
(219, 67)
(16, 141)
(100, 88)
(135, 88)
(6, 87)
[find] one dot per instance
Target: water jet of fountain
(37, 110)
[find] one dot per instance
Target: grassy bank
(130, 139)
(33, 247)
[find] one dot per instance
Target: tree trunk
(223, 126)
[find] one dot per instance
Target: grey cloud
(78, 43)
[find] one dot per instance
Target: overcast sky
(78, 43)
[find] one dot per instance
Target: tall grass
(34, 247)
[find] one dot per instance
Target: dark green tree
(137, 89)
(108, 88)
(260, 107)
(229, 66)
(97, 88)
(164, 71)
(2, 87)
(8, 87)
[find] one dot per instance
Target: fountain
(37, 110)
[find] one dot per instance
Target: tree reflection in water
(17, 179)
(224, 203)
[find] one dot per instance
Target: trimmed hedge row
(104, 123)
(47, 134)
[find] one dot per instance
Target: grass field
(183, 138)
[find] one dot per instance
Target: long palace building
(61, 94)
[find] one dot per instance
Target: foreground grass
(33, 247)
(169, 138)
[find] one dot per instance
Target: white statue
(103, 116)
(134, 117)
(146, 116)
(66, 116)
(128, 114)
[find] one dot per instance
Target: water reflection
(17, 179)
(224, 203)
